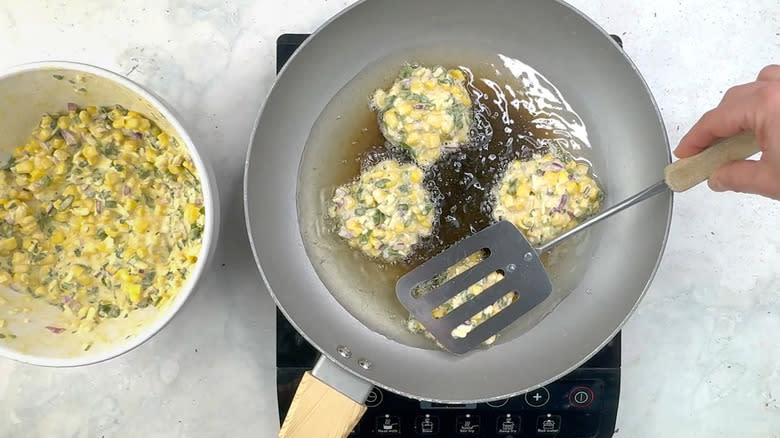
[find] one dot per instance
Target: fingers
(734, 114)
(728, 119)
(747, 177)
(769, 73)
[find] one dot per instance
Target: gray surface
(632, 152)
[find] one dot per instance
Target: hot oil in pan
(517, 113)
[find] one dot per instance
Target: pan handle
(327, 404)
(688, 172)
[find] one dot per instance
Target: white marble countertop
(700, 357)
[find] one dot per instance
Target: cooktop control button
(548, 425)
(581, 397)
(508, 424)
(467, 425)
(374, 398)
(388, 425)
(537, 398)
(426, 425)
(498, 403)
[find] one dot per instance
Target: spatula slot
(468, 294)
(461, 266)
(484, 315)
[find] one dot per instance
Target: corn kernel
(90, 151)
(413, 139)
(403, 108)
(112, 178)
(191, 213)
(57, 237)
(133, 292)
(36, 174)
(62, 122)
(7, 245)
(391, 119)
(174, 169)
(131, 123)
(140, 225)
(44, 134)
(49, 259)
(24, 167)
(416, 175)
(60, 168)
(433, 140)
(447, 123)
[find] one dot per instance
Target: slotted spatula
(510, 253)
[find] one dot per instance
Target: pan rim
(364, 376)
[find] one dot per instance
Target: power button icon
(581, 397)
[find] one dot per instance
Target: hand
(750, 107)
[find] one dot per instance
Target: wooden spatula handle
(688, 172)
(320, 411)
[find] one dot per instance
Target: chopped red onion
(561, 204)
(70, 138)
(55, 329)
(126, 191)
(98, 206)
(72, 106)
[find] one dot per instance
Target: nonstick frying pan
(330, 297)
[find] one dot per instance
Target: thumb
(746, 176)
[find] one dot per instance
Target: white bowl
(27, 92)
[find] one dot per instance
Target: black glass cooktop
(582, 404)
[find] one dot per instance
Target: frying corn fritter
(102, 213)
(385, 212)
(425, 111)
(545, 196)
(464, 329)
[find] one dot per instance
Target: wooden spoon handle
(318, 410)
(688, 172)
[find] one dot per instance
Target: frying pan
(333, 300)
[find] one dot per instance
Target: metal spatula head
(455, 316)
